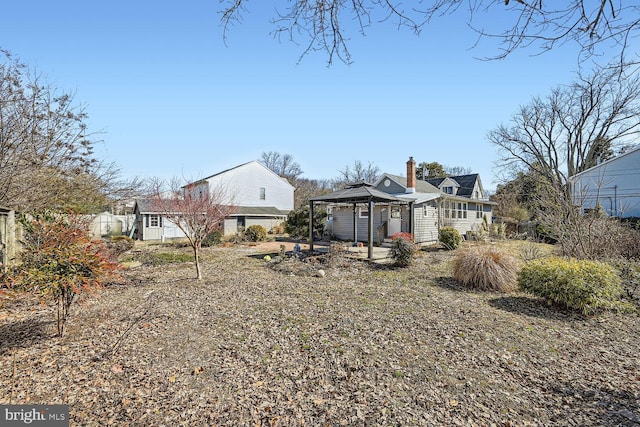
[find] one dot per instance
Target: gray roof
(466, 183)
(421, 186)
(258, 211)
(144, 206)
(358, 193)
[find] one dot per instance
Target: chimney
(411, 175)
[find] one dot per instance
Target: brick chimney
(411, 175)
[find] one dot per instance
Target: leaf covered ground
(362, 345)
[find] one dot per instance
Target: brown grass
(486, 268)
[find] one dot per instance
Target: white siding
(426, 224)
(342, 224)
(168, 230)
(243, 185)
(614, 184)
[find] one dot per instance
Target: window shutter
(160, 221)
(146, 217)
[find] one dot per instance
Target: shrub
(450, 237)
(297, 224)
(402, 251)
(277, 229)
(60, 261)
(255, 233)
(117, 245)
(581, 285)
(336, 254)
(487, 269)
(629, 272)
(402, 235)
(212, 239)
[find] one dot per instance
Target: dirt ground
(275, 344)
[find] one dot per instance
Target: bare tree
(46, 152)
(324, 24)
(356, 173)
(308, 188)
(571, 129)
(195, 208)
(457, 170)
(282, 164)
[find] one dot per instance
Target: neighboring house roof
(421, 186)
(605, 163)
(426, 190)
(466, 183)
(239, 166)
(258, 211)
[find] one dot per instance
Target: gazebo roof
(360, 192)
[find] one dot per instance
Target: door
(395, 221)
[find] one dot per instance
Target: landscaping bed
(363, 344)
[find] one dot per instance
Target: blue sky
(172, 100)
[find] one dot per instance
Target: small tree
(297, 224)
(60, 261)
(195, 208)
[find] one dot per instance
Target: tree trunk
(196, 257)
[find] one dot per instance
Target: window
(425, 211)
(263, 193)
(154, 220)
(447, 190)
(462, 210)
(364, 213)
(478, 211)
(447, 209)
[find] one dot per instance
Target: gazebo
(358, 193)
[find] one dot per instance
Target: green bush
(402, 251)
(212, 239)
(486, 268)
(297, 224)
(583, 285)
(255, 233)
(450, 237)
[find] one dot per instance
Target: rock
(320, 273)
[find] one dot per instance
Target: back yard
(362, 345)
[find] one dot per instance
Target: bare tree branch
(324, 25)
(196, 208)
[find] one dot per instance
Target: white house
(258, 196)
(614, 185)
(457, 201)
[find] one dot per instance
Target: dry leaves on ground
(360, 346)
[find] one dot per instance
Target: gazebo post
(310, 226)
(370, 229)
(355, 224)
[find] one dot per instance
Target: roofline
(205, 179)
(633, 150)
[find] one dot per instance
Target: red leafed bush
(402, 235)
(60, 261)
